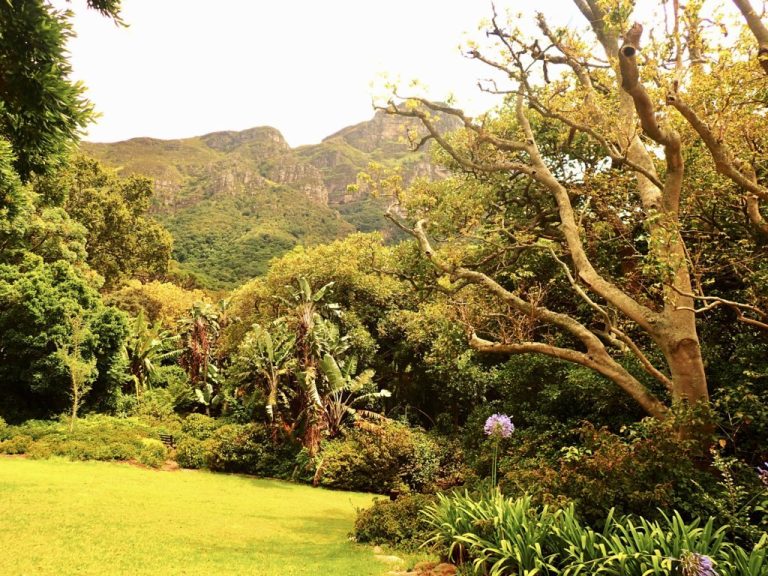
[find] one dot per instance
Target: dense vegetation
(588, 266)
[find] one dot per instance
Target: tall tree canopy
(46, 286)
(42, 111)
(122, 241)
(613, 198)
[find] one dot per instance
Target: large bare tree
(692, 95)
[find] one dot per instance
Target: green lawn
(59, 517)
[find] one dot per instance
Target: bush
(191, 452)
(249, 449)
(156, 406)
(394, 459)
(647, 468)
(93, 438)
(242, 448)
(199, 426)
(17, 444)
(399, 523)
(153, 453)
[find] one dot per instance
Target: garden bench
(168, 440)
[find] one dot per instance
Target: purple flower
(499, 426)
(694, 564)
(763, 473)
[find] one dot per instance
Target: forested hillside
(235, 200)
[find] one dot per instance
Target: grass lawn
(59, 517)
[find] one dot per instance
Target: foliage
(41, 110)
(197, 354)
(44, 279)
(36, 303)
(81, 371)
(739, 500)
(161, 303)
(244, 448)
(95, 438)
(263, 360)
(503, 536)
(649, 467)
(199, 426)
(144, 349)
(399, 523)
(122, 240)
(393, 459)
(249, 449)
(156, 406)
(743, 413)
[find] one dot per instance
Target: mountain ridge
(235, 199)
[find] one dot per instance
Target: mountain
(235, 200)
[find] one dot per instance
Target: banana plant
(264, 359)
(144, 349)
(199, 334)
(346, 390)
(207, 395)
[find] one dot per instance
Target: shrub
(199, 426)
(152, 453)
(156, 406)
(125, 405)
(93, 438)
(248, 449)
(191, 452)
(369, 461)
(17, 444)
(647, 468)
(394, 459)
(399, 523)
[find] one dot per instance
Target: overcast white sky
(188, 67)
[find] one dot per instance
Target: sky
(306, 67)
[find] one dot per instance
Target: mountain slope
(234, 200)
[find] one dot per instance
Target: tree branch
(758, 29)
(737, 307)
(726, 164)
(669, 139)
(604, 365)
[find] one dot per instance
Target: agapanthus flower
(694, 564)
(763, 473)
(499, 426)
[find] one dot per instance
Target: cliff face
(384, 139)
(233, 200)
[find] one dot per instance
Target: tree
(199, 335)
(304, 317)
(160, 302)
(42, 110)
(81, 370)
(122, 241)
(37, 304)
(564, 188)
(44, 281)
(345, 390)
